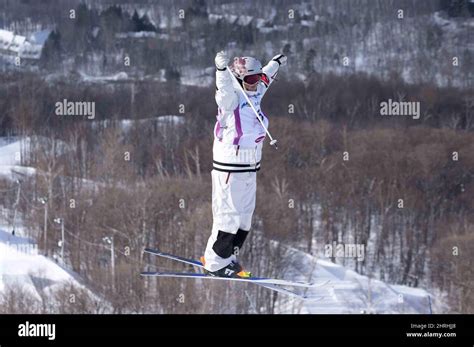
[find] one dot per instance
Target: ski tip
(154, 251)
(147, 273)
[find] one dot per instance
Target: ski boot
(234, 269)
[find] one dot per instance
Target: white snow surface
(126, 124)
(119, 76)
(10, 157)
(10, 152)
(20, 264)
(348, 291)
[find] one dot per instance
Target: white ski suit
(237, 151)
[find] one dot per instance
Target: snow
(260, 22)
(438, 19)
(213, 18)
(347, 291)
(10, 170)
(95, 31)
(20, 264)
(126, 124)
(307, 23)
(12, 151)
(231, 18)
(136, 35)
(119, 76)
(171, 119)
(197, 77)
(11, 155)
(244, 20)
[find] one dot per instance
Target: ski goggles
(252, 79)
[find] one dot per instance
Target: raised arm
(226, 97)
(271, 69)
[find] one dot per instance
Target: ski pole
(273, 142)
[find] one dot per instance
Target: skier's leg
(246, 211)
(218, 252)
(226, 220)
(239, 240)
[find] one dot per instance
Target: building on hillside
(12, 45)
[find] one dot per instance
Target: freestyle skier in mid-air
(237, 151)
(239, 133)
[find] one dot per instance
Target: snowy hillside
(349, 292)
(22, 266)
(10, 156)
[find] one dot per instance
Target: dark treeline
(316, 36)
(352, 101)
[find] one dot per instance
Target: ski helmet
(246, 66)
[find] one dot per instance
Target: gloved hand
(280, 59)
(221, 60)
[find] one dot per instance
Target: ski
(264, 282)
(237, 279)
(192, 262)
(198, 264)
(254, 279)
(204, 276)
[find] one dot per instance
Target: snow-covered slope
(22, 266)
(348, 291)
(10, 156)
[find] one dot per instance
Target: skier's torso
(238, 135)
(242, 126)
